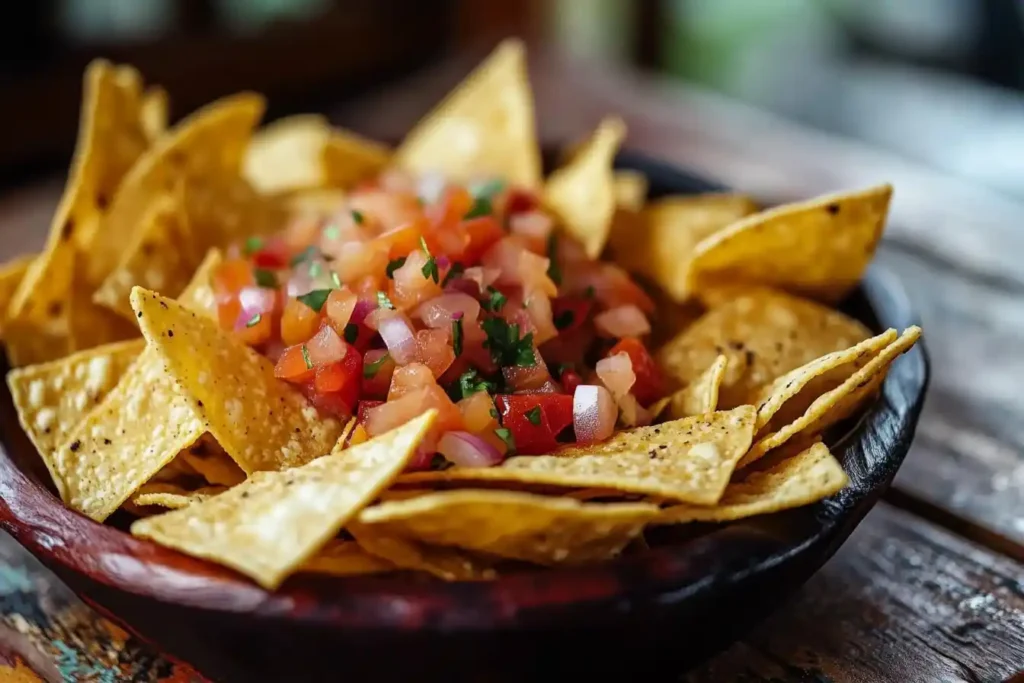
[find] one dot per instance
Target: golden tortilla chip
(484, 128)
(269, 525)
(345, 558)
(90, 324)
(818, 248)
(198, 294)
(209, 461)
(162, 257)
(285, 155)
(839, 403)
(630, 189)
(318, 204)
(787, 397)
(582, 193)
(226, 209)
(153, 113)
(11, 275)
(688, 460)
(699, 397)
(348, 159)
(52, 398)
(449, 564)
(139, 427)
(260, 421)
(514, 525)
(208, 144)
(171, 496)
(763, 334)
(660, 243)
(799, 480)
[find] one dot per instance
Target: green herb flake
(351, 333)
(336, 279)
(254, 321)
(332, 231)
(305, 357)
(265, 278)
(457, 336)
(481, 207)
(315, 299)
(494, 413)
(429, 269)
(308, 254)
(505, 435)
(495, 300)
(561, 368)
(564, 319)
(506, 348)
(383, 301)
(370, 370)
(358, 217)
(554, 272)
(470, 382)
(394, 265)
(252, 245)
(455, 271)
(439, 462)
(533, 415)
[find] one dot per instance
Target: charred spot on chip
(102, 201)
(147, 248)
(55, 309)
(107, 441)
(832, 208)
(75, 445)
(68, 230)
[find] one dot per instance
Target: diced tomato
(326, 347)
(403, 239)
(343, 376)
(409, 378)
(292, 366)
(538, 308)
(476, 412)
(231, 277)
(272, 254)
(339, 307)
(569, 312)
(450, 209)
(535, 420)
(519, 200)
(377, 386)
(519, 266)
(482, 232)
(388, 209)
(434, 350)
(364, 406)
(256, 333)
(649, 386)
(410, 286)
(336, 403)
(354, 261)
(397, 412)
(570, 379)
(299, 322)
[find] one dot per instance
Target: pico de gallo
(424, 294)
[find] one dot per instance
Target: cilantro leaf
(305, 357)
(469, 383)
(254, 321)
(481, 207)
(265, 278)
(487, 188)
(564, 319)
(336, 279)
(394, 265)
(358, 217)
(370, 370)
(455, 271)
(351, 333)
(252, 245)
(496, 300)
(554, 272)
(505, 435)
(533, 415)
(429, 269)
(315, 299)
(383, 301)
(457, 336)
(494, 413)
(506, 348)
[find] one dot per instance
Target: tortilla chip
(317, 204)
(799, 480)
(225, 209)
(162, 257)
(285, 155)
(345, 558)
(514, 525)
(90, 324)
(630, 189)
(582, 193)
(260, 421)
(788, 397)
(839, 403)
(198, 294)
(153, 113)
(688, 460)
(763, 334)
(52, 398)
(449, 564)
(818, 248)
(697, 398)
(348, 159)
(139, 427)
(665, 237)
(269, 525)
(11, 275)
(171, 496)
(484, 128)
(209, 461)
(209, 143)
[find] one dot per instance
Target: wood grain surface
(930, 587)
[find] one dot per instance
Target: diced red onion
(468, 450)
(362, 309)
(301, 282)
(622, 321)
(464, 286)
(399, 337)
(254, 301)
(441, 310)
(593, 413)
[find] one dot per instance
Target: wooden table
(931, 586)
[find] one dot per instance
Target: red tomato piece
(231, 277)
(520, 201)
(649, 386)
(377, 385)
(570, 312)
(292, 365)
(535, 420)
(299, 322)
(570, 380)
(482, 232)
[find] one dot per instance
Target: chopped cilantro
(315, 299)
(457, 336)
(305, 357)
(590, 292)
(561, 368)
(554, 272)
(487, 188)
(564, 319)
(336, 279)
(429, 269)
(307, 254)
(439, 462)
(332, 231)
(483, 196)
(254, 321)
(383, 301)
(455, 271)
(506, 348)
(505, 435)
(351, 333)
(533, 415)
(370, 370)
(358, 217)
(394, 265)
(470, 382)
(496, 300)
(265, 278)
(481, 207)
(494, 413)
(252, 245)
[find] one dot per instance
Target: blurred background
(938, 81)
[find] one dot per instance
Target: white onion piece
(440, 311)
(534, 225)
(616, 373)
(301, 282)
(468, 450)
(326, 347)
(254, 301)
(593, 414)
(431, 186)
(633, 414)
(399, 337)
(622, 321)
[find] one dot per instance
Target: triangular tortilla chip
(270, 525)
(448, 564)
(171, 496)
(699, 397)
(630, 189)
(209, 143)
(763, 334)
(262, 422)
(154, 112)
(345, 558)
(513, 525)
(11, 275)
(210, 461)
(799, 480)
(688, 460)
(285, 155)
(818, 248)
(349, 158)
(483, 128)
(198, 294)
(582, 193)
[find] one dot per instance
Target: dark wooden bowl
(657, 611)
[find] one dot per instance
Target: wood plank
(902, 601)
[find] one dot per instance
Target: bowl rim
(658, 579)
